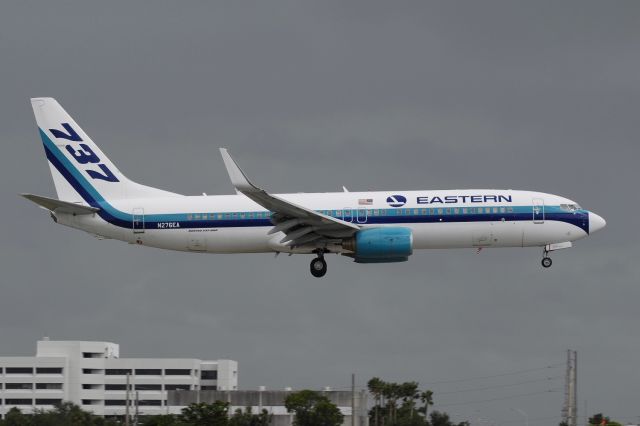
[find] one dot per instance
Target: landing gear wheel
(546, 262)
(318, 267)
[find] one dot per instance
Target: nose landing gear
(318, 266)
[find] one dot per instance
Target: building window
(209, 375)
(91, 386)
(177, 387)
(143, 387)
(92, 355)
(115, 402)
(209, 388)
(20, 386)
(47, 401)
(49, 386)
(18, 401)
(91, 371)
(148, 372)
(48, 370)
(117, 371)
(116, 387)
(150, 402)
(177, 372)
(19, 370)
(91, 402)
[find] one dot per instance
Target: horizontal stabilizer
(59, 206)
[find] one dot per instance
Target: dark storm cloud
(310, 96)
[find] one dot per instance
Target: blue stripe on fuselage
(154, 221)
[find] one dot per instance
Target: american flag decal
(365, 201)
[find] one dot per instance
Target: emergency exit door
(138, 220)
(538, 210)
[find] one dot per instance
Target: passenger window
(440, 211)
(502, 210)
(465, 210)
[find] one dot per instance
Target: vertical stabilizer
(80, 170)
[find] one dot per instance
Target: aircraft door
(538, 210)
(137, 220)
(362, 215)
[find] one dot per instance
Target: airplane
(368, 227)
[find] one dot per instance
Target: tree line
(201, 414)
(394, 404)
(404, 404)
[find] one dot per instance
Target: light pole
(526, 416)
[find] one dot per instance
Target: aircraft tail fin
(80, 170)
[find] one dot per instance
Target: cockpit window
(570, 207)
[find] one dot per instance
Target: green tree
(67, 414)
(386, 410)
(313, 409)
(247, 418)
(203, 414)
(438, 418)
(376, 386)
(427, 399)
(14, 417)
(600, 419)
(162, 420)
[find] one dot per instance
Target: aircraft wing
(300, 224)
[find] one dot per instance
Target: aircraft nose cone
(596, 222)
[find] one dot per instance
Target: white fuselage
(370, 227)
(437, 219)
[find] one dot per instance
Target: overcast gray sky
(310, 96)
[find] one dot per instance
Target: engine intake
(380, 245)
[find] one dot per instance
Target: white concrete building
(92, 375)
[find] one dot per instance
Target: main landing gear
(546, 260)
(318, 265)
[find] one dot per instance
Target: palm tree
(427, 399)
(376, 387)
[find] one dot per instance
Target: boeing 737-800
(369, 227)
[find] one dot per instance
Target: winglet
(237, 176)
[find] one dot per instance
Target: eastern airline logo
(396, 200)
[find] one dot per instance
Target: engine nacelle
(381, 245)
